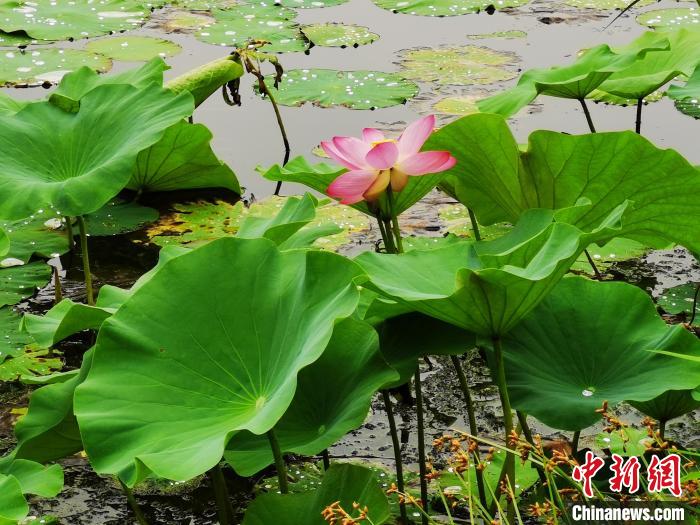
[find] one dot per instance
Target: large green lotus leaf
(486, 287)
(40, 66)
(590, 342)
(351, 89)
(33, 361)
(670, 19)
(77, 84)
(64, 320)
(656, 68)
(20, 477)
(206, 79)
(338, 35)
(118, 217)
(19, 282)
(4, 243)
(10, 106)
(294, 215)
(80, 169)
(49, 430)
(133, 48)
(464, 65)
(687, 98)
(499, 182)
(215, 354)
(445, 7)
(236, 26)
(309, 426)
(343, 483)
(669, 405)
(13, 506)
(575, 81)
(13, 340)
(42, 233)
(319, 176)
(182, 159)
(63, 20)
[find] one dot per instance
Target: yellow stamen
(377, 142)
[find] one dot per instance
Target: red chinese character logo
(584, 473)
(665, 474)
(626, 474)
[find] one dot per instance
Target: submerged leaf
(590, 342)
(216, 354)
(48, 65)
(351, 89)
(133, 48)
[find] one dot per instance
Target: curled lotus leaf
(18, 478)
(308, 427)
(46, 65)
(486, 287)
(590, 342)
(499, 181)
(63, 20)
(96, 150)
(208, 372)
(133, 48)
(446, 7)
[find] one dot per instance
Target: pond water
(247, 136)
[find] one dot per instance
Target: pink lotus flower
(375, 161)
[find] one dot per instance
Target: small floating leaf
(20, 282)
(303, 4)
(118, 217)
(42, 233)
(235, 27)
(464, 65)
(33, 361)
(133, 48)
(37, 66)
(618, 249)
(462, 105)
(184, 21)
(351, 89)
(338, 35)
(514, 33)
(670, 19)
(446, 7)
(680, 300)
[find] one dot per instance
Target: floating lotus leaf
(590, 342)
(13, 340)
(319, 176)
(338, 35)
(615, 251)
(39, 66)
(33, 361)
(196, 223)
(486, 287)
(63, 20)
(680, 300)
(687, 98)
(118, 217)
(183, 21)
(19, 282)
(182, 159)
(343, 483)
(226, 367)
(351, 89)
(305, 4)
(625, 442)
(498, 181)
(669, 405)
(446, 7)
(464, 66)
(575, 81)
(236, 26)
(41, 234)
(15, 39)
(133, 48)
(95, 151)
(606, 4)
(205, 5)
(64, 320)
(19, 477)
(308, 427)
(655, 68)
(499, 34)
(462, 105)
(670, 19)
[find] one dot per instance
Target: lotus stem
(131, 500)
(421, 448)
(588, 114)
(388, 239)
(527, 432)
(509, 463)
(638, 125)
(473, 429)
(592, 263)
(326, 459)
(397, 452)
(223, 501)
(394, 220)
(662, 429)
(57, 290)
(86, 260)
(279, 461)
(575, 441)
(280, 123)
(69, 233)
(695, 305)
(475, 225)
